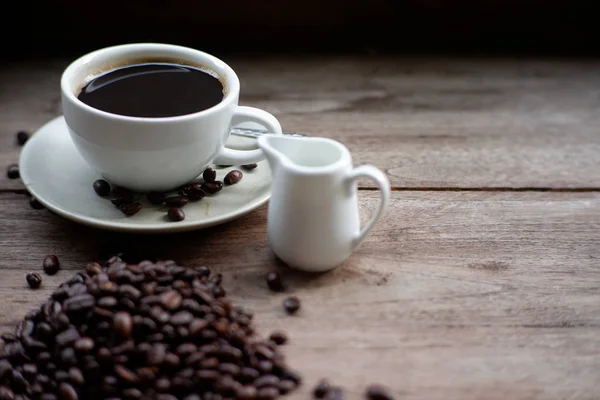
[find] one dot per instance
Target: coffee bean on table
(123, 324)
(378, 392)
(34, 280)
(51, 264)
(233, 177)
(176, 214)
(102, 336)
(35, 204)
(119, 200)
(156, 198)
(101, 187)
(212, 187)
(250, 167)
(12, 172)
(209, 175)
(22, 137)
(321, 389)
(130, 209)
(274, 281)
(279, 337)
(176, 201)
(291, 305)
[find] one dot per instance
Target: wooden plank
(455, 295)
(430, 123)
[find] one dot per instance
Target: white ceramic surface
(313, 222)
(54, 172)
(156, 153)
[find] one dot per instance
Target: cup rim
(231, 81)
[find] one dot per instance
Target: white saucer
(55, 174)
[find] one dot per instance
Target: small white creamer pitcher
(313, 220)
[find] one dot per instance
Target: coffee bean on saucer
(34, 280)
(233, 177)
(291, 305)
(321, 389)
(209, 175)
(12, 172)
(22, 137)
(279, 337)
(119, 200)
(34, 203)
(176, 201)
(130, 209)
(51, 264)
(194, 192)
(250, 167)
(156, 198)
(212, 187)
(176, 214)
(378, 392)
(274, 281)
(101, 187)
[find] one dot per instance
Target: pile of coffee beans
(141, 331)
(129, 203)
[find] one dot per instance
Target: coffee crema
(153, 90)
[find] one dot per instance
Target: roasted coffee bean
(35, 204)
(67, 337)
(321, 389)
(286, 386)
(266, 380)
(176, 214)
(130, 209)
(176, 201)
(132, 393)
(267, 393)
(274, 281)
(156, 198)
(76, 376)
(195, 192)
(101, 187)
(6, 393)
(171, 300)
(119, 200)
(378, 392)
(250, 167)
(51, 264)
(233, 177)
(212, 187)
(22, 137)
(291, 305)
(335, 393)
(12, 172)
(246, 393)
(79, 303)
(279, 337)
(125, 374)
(123, 324)
(67, 392)
(34, 280)
(209, 175)
(292, 376)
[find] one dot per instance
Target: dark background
(71, 27)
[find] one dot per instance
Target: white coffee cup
(145, 154)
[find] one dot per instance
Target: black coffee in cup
(153, 90)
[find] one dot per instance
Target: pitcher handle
(383, 184)
(243, 114)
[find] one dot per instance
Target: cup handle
(243, 114)
(382, 182)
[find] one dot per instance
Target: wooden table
(481, 282)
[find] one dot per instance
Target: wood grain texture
(454, 295)
(437, 123)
